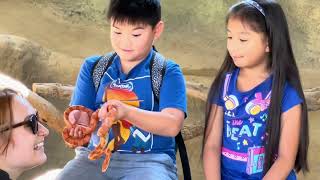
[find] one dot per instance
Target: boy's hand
(80, 118)
(113, 110)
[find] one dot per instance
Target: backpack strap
(157, 72)
(183, 156)
(101, 66)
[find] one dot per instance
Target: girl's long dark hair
(284, 69)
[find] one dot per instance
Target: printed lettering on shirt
(116, 84)
(234, 132)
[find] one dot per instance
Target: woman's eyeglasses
(31, 121)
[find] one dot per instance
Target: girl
(21, 136)
(256, 117)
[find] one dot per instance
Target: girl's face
(247, 48)
(25, 150)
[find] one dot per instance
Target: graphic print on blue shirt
(245, 116)
(141, 140)
(243, 130)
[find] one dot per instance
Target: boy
(149, 152)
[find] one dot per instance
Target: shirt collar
(144, 62)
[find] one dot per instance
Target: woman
(21, 135)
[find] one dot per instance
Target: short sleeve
(290, 98)
(84, 92)
(217, 96)
(173, 89)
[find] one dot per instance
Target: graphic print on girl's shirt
(245, 117)
(245, 114)
(243, 131)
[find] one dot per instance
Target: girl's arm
(288, 145)
(212, 144)
(168, 122)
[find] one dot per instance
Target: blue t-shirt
(244, 126)
(134, 85)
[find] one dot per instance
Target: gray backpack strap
(157, 70)
(101, 67)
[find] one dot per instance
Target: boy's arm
(288, 145)
(168, 122)
(172, 106)
(84, 92)
(212, 144)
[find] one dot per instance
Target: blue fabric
(245, 116)
(123, 166)
(137, 83)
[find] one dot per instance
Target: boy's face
(133, 42)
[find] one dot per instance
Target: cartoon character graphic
(255, 160)
(258, 104)
(141, 141)
(231, 102)
(120, 128)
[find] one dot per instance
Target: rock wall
(200, 26)
(28, 62)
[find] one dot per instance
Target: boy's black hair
(284, 69)
(135, 11)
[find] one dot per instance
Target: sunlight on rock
(8, 82)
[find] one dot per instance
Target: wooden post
(54, 90)
(52, 116)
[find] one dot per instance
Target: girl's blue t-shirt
(134, 85)
(244, 126)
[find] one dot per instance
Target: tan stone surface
(70, 30)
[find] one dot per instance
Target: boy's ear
(158, 29)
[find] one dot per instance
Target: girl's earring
(267, 49)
